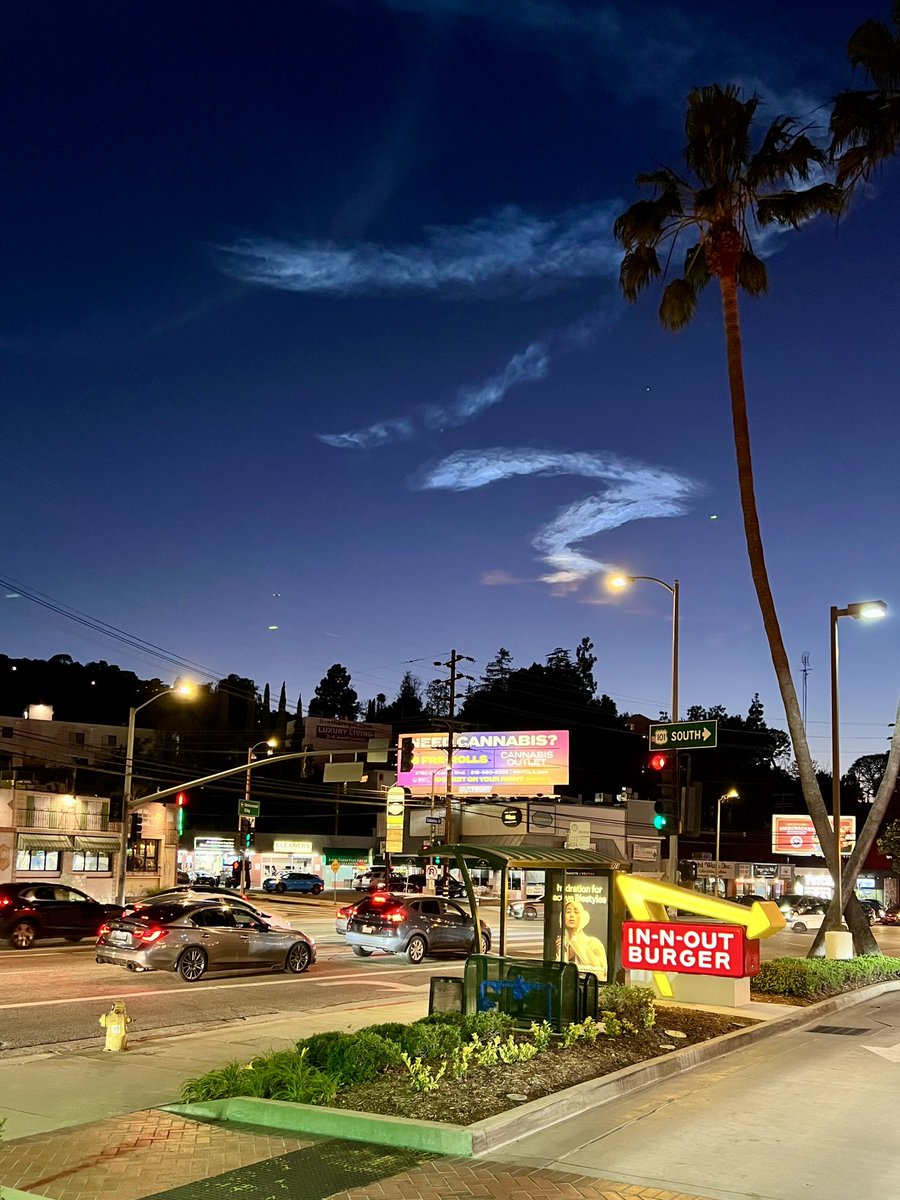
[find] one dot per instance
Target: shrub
(358, 1057)
(422, 1078)
(612, 1026)
(233, 1079)
(815, 978)
(541, 1035)
(291, 1077)
(630, 1004)
(461, 1059)
(431, 1041)
(318, 1046)
(394, 1031)
(486, 1025)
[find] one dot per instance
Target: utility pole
(455, 675)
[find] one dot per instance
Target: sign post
(334, 867)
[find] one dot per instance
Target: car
(417, 883)
(343, 915)
(294, 881)
(891, 916)
(414, 927)
(192, 936)
(749, 900)
(807, 916)
(526, 910)
(213, 896)
(30, 911)
(875, 908)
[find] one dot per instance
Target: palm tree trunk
(863, 940)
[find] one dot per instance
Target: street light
(839, 942)
(179, 689)
(623, 581)
(270, 745)
(731, 794)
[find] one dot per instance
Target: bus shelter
(583, 911)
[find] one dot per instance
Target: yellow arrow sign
(649, 899)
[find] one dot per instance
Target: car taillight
(379, 898)
(396, 915)
(103, 931)
(155, 934)
(4, 900)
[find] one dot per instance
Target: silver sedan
(193, 936)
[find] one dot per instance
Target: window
(89, 861)
(76, 739)
(7, 731)
(69, 895)
(454, 915)
(111, 739)
(213, 917)
(37, 860)
(430, 908)
(143, 857)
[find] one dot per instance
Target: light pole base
(838, 944)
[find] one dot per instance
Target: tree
(585, 661)
(728, 190)
(889, 845)
(437, 698)
(334, 696)
(407, 705)
(866, 773)
(498, 670)
(865, 124)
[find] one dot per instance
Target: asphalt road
(54, 994)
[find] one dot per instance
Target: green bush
(319, 1045)
(632, 1005)
(431, 1041)
(394, 1031)
(816, 978)
(358, 1057)
(290, 1076)
(486, 1025)
(233, 1079)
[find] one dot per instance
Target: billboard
(328, 733)
(581, 925)
(521, 763)
(797, 835)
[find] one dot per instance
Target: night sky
(313, 350)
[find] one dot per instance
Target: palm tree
(729, 190)
(865, 124)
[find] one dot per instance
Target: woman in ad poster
(579, 947)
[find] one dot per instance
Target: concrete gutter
(485, 1136)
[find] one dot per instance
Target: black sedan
(29, 911)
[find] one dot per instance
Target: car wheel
(798, 927)
(318, 889)
(298, 958)
(415, 950)
(531, 913)
(22, 935)
(362, 952)
(280, 888)
(192, 964)
(485, 944)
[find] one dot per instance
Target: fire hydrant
(116, 1023)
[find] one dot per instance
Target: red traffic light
(659, 762)
(181, 799)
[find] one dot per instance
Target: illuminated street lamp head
(619, 581)
(867, 610)
(184, 687)
(732, 794)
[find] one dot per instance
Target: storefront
(731, 880)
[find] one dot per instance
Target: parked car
(526, 910)
(295, 881)
(891, 916)
(193, 936)
(875, 907)
(414, 927)
(443, 887)
(749, 900)
(29, 911)
(808, 916)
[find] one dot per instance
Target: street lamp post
(731, 794)
(839, 941)
(623, 581)
(270, 745)
(180, 689)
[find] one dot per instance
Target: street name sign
(248, 808)
(684, 735)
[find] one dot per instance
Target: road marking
(891, 1053)
(356, 977)
(397, 987)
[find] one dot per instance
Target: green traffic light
(660, 821)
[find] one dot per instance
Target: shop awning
(44, 841)
(97, 845)
(532, 858)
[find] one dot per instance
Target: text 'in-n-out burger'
(723, 950)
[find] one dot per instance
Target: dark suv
(29, 911)
(413, 926)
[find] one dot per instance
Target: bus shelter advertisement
(582, 922)
(523, 763)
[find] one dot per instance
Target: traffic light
(181, 801)
(662, 767)
(248, 832)
(137, 826)
(406, 754)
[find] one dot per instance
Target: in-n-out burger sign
(723, 950)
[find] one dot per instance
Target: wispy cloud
(634, 491)
(529, 365)
(494, 253)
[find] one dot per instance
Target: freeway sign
(248, 808)
(684, 735)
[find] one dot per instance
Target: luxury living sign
(519, 763)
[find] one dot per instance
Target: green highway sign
(685, 735)
(248, 808)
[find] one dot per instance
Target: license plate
(368, 929)
(119, 937)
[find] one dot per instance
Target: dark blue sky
(311, 320)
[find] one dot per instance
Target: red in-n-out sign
(723, 950)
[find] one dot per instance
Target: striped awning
(96, 845)
(44, 841)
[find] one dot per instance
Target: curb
(466, 1141)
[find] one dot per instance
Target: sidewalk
(85, 1128)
